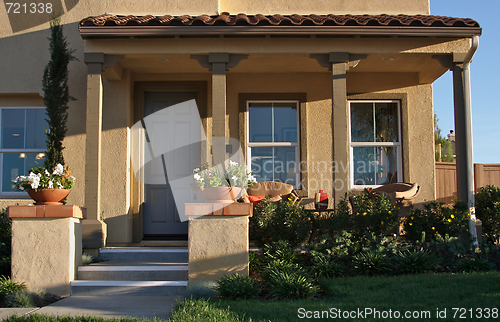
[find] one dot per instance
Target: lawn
(422, 295)
(418, 294)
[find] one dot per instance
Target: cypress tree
(56, 93)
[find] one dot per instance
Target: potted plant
(50, 184)
(46, 187)
(223, 183)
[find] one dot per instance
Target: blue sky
(485, 73)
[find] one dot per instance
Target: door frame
(137, 195)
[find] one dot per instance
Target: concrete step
(131, 288)
(133, 271)
(145, 254)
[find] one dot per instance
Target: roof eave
(148, 31)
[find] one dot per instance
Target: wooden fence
(446, 178)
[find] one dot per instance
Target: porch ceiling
(427, 68)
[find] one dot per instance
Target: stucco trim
(242, 121)
(405, 135)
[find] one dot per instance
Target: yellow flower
(411, 224)
(452, 216)
(364, 214)
(357, 214)
(411, 217)
(449, 220)
(390, 212)
(382, 222)
(433, 228)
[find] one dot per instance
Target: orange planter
(49, 197)
(220, 194)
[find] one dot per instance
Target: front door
(161, 219)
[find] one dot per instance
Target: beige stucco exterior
(393, 68)
(54, 246)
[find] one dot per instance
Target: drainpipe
(468, 137)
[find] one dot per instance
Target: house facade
(329, 95)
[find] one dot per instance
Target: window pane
(260, 122)
(275, 164)
(16, 164)
(386, 118)
(13, 166)
(285, 122)
(375, 165)
(35, 129)
(362, 127)
(13, 129)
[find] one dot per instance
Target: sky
(485, 73)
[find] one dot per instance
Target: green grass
(400, 293)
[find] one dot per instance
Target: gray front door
(161, 218)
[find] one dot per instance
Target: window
(375, 143)
(22, 143)
(273, 141)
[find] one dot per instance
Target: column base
(93, 233)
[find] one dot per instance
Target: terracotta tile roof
(225, 19)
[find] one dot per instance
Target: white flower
(21, 188)
(35, 183)
(235, 178)
(251, 178)
(51, 185)
(197, 177)
(59, 186)
(72, 178)
(231, 162)
(196, 170)
(47, 172)
(59, 170)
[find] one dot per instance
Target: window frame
(397, 145)
(24, 150)
(250, 145)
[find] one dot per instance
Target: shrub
(5, 242)
(281, 250)
(472, 264)
(87, 259)
(449, 250)
(237, 287)
(323, 265)
(8, 287)
(488, 211)
(284, 284)
(284, 220)
(416, 262)
(492, 253)
(254, 263)
(28, 298)
(201, 290)
(373, 263)
(373, 213)
(436, 219)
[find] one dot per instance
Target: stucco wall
(354, 7)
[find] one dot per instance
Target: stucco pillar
(340, 123)
(46, 246)
(218, 64)
(94, 230)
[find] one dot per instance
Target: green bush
(288, 284)
(5, 242)
(373, 263)
(449, 250)
(28, 298)
(417, 261)
(474, 264)
(373, 213)
(254, 262)
(324, 265)
(284, 220)
(237, 287)
(8, 287)
(436, 218)
(492, 253)
(488, 211)
(281, 250)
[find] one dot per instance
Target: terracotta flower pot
(221, 194)
(49, 197)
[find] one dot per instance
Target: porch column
(340, 115)
(93, 229)
(218, 64)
